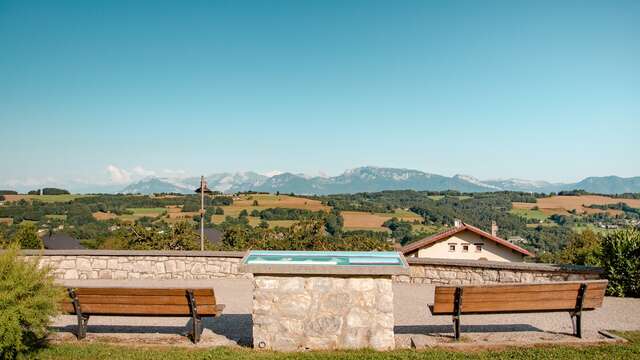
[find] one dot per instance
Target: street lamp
(202, 190)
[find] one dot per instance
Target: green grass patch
(529, 214)
(582, 227)
(56, 198)
(98, 351)
(56, 217)
(150, 212)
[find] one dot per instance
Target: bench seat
(176, 302)
(570, 296)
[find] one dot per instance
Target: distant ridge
(370, 179)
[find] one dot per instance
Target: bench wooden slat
(142, 292)
(514, 296)
(518, 297)
(143, 300)
(143, 310)
(505, 288)
(515, 306)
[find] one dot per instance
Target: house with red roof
(466, 242)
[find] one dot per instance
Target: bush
(28, 300)
(27, 237)
(621, 262)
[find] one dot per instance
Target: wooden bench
(194, 303)
(571, 296)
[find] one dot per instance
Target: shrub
(621, 262)
(28, 300)
(27, 236)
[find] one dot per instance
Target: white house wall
(491, 250)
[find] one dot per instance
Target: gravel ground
(412, 318)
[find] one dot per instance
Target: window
(452, 247)
(465, 248)
(478, 247)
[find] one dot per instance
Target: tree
(621, 262)
(54, 191)
(255, 213)
(263, 224)
(27, 237)
(243, 213)
(255, 203)
(219, 211)
(334, 223)
(584, 248)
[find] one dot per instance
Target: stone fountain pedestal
(313, 307)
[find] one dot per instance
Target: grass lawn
(150, 212)
(583, 227)
(45, 198)
(57, 217)
(630, 350)
(529, 214)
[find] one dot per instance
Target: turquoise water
(329, 258)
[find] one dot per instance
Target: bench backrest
(141, 302)
(502, 298)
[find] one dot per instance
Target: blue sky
(107, 92)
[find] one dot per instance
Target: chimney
(457, 223)
(494, 229)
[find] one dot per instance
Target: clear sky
(113, 90)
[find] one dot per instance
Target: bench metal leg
(457, 310)
(576, 314)
(196, 322)
(83, 319)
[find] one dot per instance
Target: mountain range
(371, 179)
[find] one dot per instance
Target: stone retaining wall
(126, 264)
(322, 312)
(462, 272)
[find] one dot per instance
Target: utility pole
(202, 189)
(201, 214)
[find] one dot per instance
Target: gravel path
(412, 318)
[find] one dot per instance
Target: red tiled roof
(415, 246)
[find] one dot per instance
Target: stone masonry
(142, 265)
(322, 312)
(465, 272)
(125, 264)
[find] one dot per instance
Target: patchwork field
(282, 201)
(564, 204)
(360, 220)
(102, 216)
(44, 198)
(137, 214)
(529, 214)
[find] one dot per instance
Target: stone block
(83, 264)
(113, 264)
(98, 264)
(71, 274)
(67, 264)
(104, 274)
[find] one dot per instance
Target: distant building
(60, 241)
(466, 242)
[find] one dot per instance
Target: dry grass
(279, 201)
(563, 204)
(100, 216)
(367, 221)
